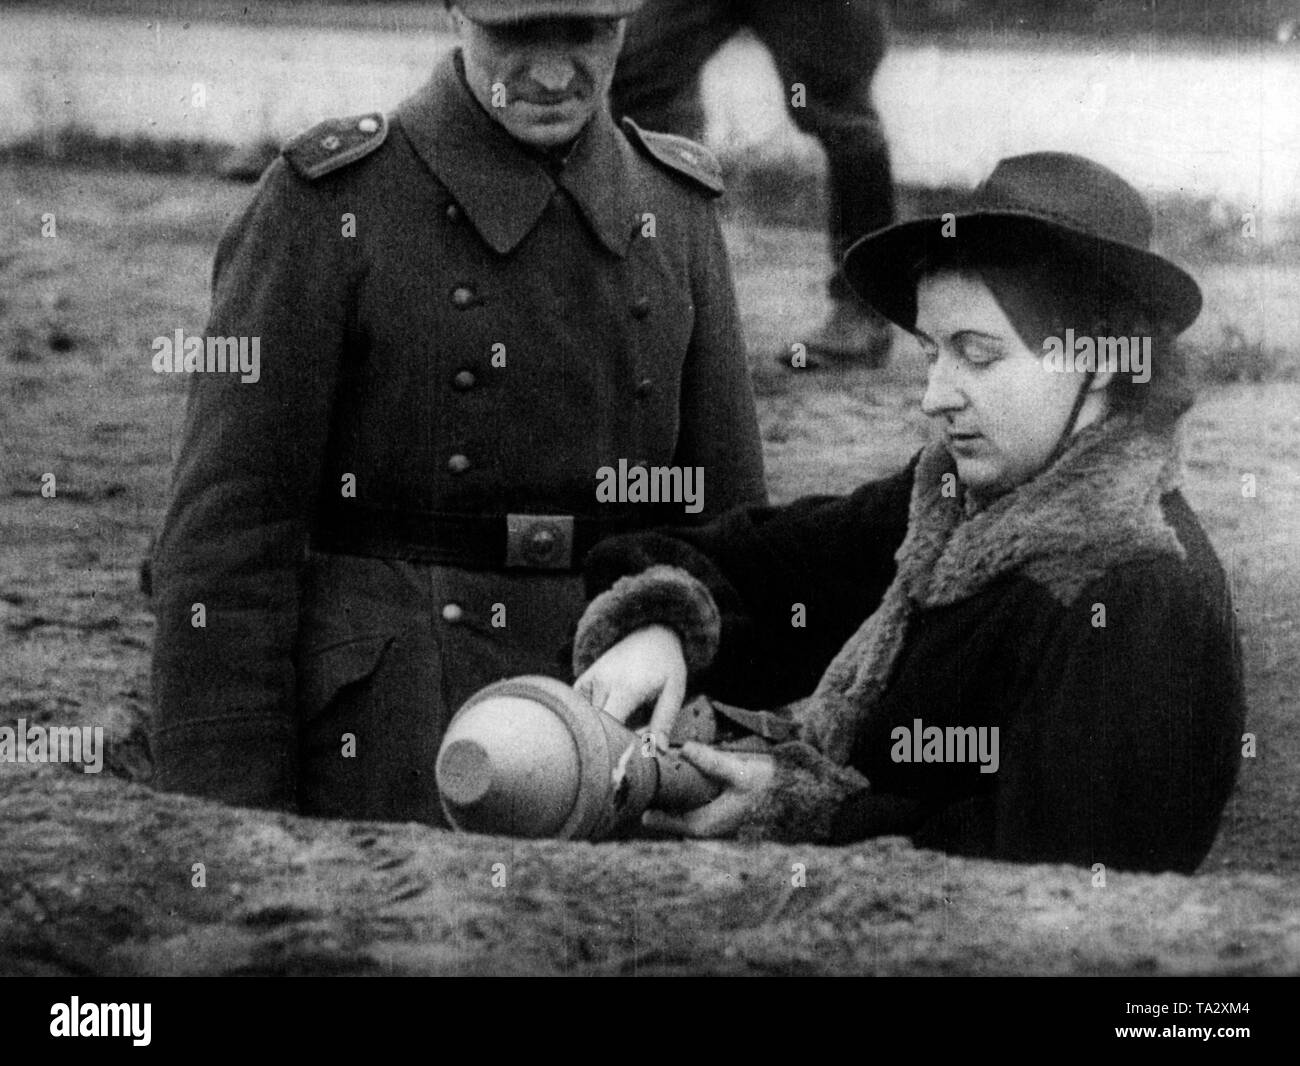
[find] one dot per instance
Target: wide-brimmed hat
(1052, 204)
(497, 12)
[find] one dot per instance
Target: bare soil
(98, 870)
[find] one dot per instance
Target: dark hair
(1168, 394)
(1043, 288)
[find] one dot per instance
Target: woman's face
(1001, 411)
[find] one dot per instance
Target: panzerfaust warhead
(529, 757)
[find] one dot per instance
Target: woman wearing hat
(1022, 645)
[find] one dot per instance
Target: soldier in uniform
(830, 49)
(463, 312)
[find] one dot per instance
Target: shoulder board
(679, 154)
(335, 143)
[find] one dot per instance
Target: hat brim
(883, 267)
(495, 13)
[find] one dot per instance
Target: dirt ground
(97, 870)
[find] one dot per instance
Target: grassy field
(1196, 19)
(131, 260)
(1211, 116)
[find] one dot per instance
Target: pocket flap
(325, 672)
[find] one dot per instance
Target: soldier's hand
(646, 666)
(744, 777)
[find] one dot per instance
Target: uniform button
(464, 380)
(644, 388)
(462, 296)
(453, 213)
(330, 143)
(458, 463)
(641, 307)
(452, 613)
(368, 125)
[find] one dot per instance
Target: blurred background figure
(827, 53)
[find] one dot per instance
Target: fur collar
(1095, 508)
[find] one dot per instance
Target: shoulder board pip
(335, 143)
(679, 154)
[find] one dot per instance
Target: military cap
(495, 12)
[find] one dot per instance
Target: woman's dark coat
(1119, 742)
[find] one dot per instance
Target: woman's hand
(647, 665)
(744, 775)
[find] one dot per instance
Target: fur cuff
(807, 791)
(661, 595)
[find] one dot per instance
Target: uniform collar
(501, 186)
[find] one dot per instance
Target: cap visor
(502, 12)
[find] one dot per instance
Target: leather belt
(475, 542)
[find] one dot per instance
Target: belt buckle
(539, 541)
